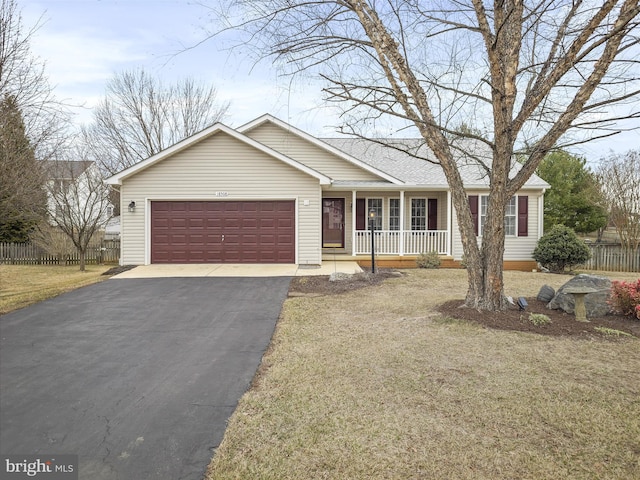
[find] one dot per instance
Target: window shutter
(361, 214)
(473, 206)
(523, 216)
(432, 214)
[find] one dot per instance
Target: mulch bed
(119, 269)
(320, 284)
(562, 324)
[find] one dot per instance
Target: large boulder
(546, 294)
(596, 303)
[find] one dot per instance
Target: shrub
(428, 260)
(560, 248)
(625, 298)
(539, 319)
(612, 332)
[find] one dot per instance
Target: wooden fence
(105, 251)
(604, 257)
(613, 258)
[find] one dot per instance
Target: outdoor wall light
(132, 206)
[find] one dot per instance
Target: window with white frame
(394, 214)
(418, 214)
(375, 204)
(510, 218)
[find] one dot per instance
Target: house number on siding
(222, 194)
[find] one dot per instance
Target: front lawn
(375, 383)
(22, 285)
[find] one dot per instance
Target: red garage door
(223, 232)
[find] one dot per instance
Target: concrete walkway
(239, 270)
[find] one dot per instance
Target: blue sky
(84, 42)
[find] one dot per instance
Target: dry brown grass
(373, 384)
(22, 285)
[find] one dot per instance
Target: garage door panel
(253, 231)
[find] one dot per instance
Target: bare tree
(526, 76)
(140, 116)
(22, 77)
(79, 201)
(619, 177)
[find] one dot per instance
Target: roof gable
(319, 143)
(204, 134)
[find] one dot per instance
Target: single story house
(268, 192)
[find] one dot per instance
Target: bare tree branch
(516, 76)
(140, 116)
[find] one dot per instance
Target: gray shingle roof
(66, 169)
(419, 171)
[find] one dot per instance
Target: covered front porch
(402, 223)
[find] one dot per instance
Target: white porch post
(449, 223)
(401, 246)
(353, 223)
(541, 214)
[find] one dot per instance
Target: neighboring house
(112, 228)
(269, 193)
(73, 182)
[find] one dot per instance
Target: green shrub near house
(561, 249)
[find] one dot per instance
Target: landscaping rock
(596, 303)
(546, 294)
(339, 276)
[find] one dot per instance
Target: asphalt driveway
(137, 377)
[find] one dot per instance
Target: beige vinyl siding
(290, 144)
(220, 164)
(515, 248)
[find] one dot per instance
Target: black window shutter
(523, 216)
(473, 206)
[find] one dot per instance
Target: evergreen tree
(22, 196)
(573, 199)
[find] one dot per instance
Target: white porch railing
(415, 242)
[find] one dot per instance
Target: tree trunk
(486, 284)
(82, 254)
(485, 266)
